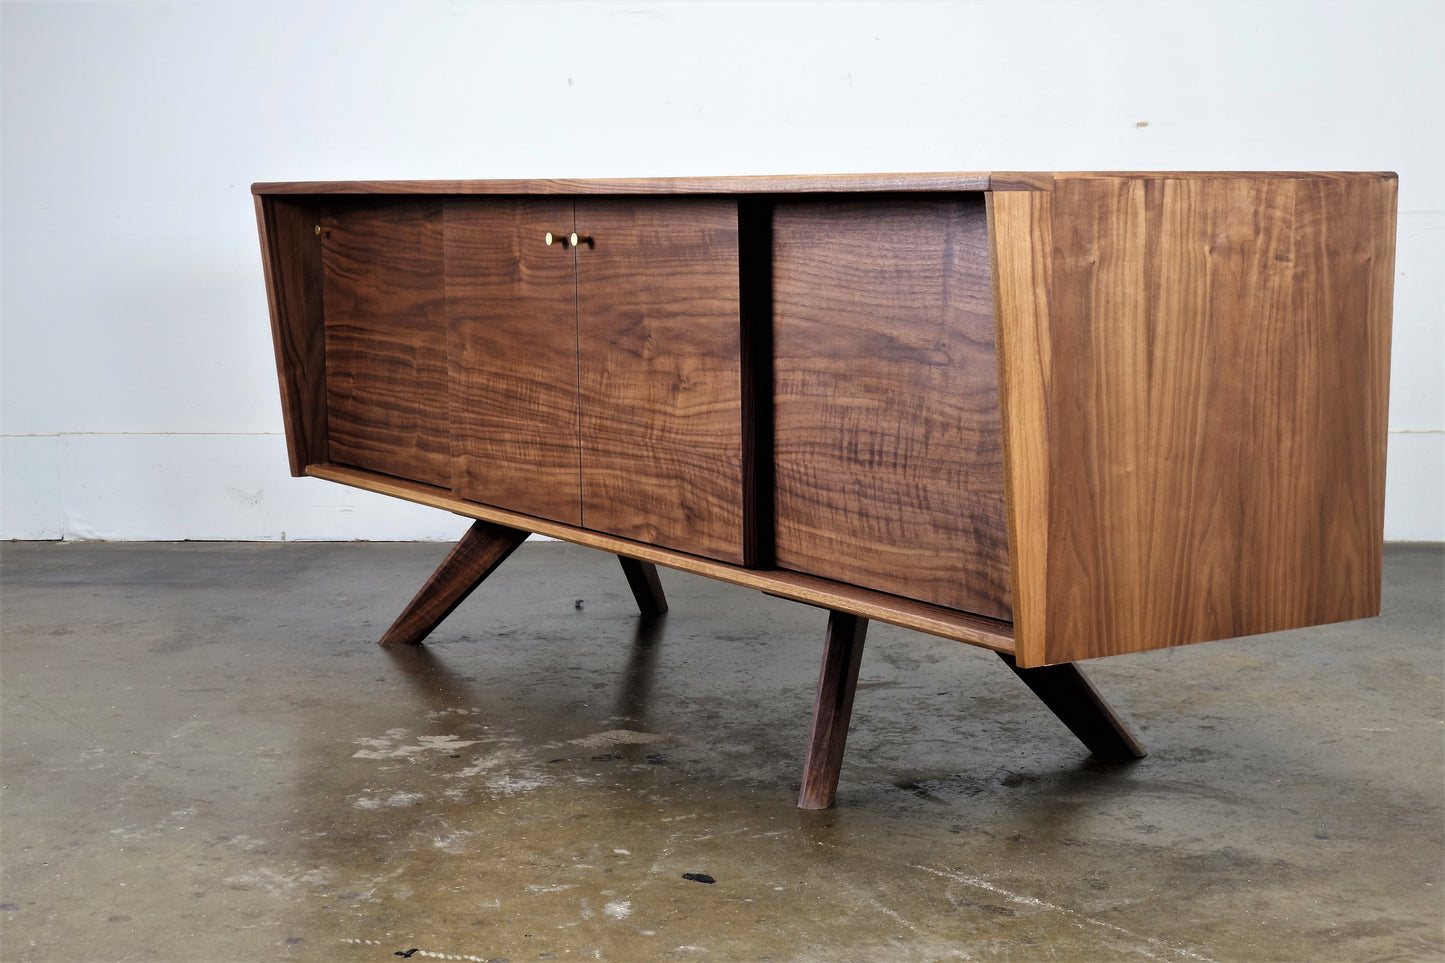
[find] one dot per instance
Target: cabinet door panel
(887, 439)
(386, 341)
(661, 384)
(512, 322)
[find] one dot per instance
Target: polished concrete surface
(206, 758)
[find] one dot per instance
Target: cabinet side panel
(660, 358)
(1020, 224)
(291, 261)
(386, 348)
(1217, 408)
(888, 448)
(512, 307)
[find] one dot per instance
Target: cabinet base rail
(1064, 689)
(795, 586)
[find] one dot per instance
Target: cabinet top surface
(784, 184)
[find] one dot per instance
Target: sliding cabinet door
(512, 339)
(661, 379)
(888, 445)
(386, 342)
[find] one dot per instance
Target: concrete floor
(205, 758)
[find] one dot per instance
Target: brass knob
(580, 239)
(322, 231)
(555, 239)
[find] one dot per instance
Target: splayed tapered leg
(837, 682)
(1072, 697)
(646, 587)
(477, 555)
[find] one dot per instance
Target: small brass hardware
(580, 239)
(321, 231)
(556, 239)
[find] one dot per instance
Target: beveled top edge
(1242, 175)
(782, 184)
(786, 184)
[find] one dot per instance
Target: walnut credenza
(1059, 416)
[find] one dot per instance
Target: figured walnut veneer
(386, 340)
(1196, 375)
(887, 440)
(512, 340)
(659, 363)
(1058, 415)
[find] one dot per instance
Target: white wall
(139, 396)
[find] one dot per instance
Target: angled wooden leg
(480, 551)
(646, 587)
(842, 654)
(1072, 697)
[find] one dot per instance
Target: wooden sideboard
(1059, 416)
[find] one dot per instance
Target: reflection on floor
(205, 757)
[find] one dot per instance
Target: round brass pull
(580, 239)
(555, 239)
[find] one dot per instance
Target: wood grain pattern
(766, 184)
(1000, 181)
(660, 373)
(291, 263)
(888, 444)
(785, 184)
(471, 560)
(1192, 381)
(512, 322)
(1224, 175)
(878, 606)
(1021, 244)
(832, 709)
(1217, 432)
(386, 341)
